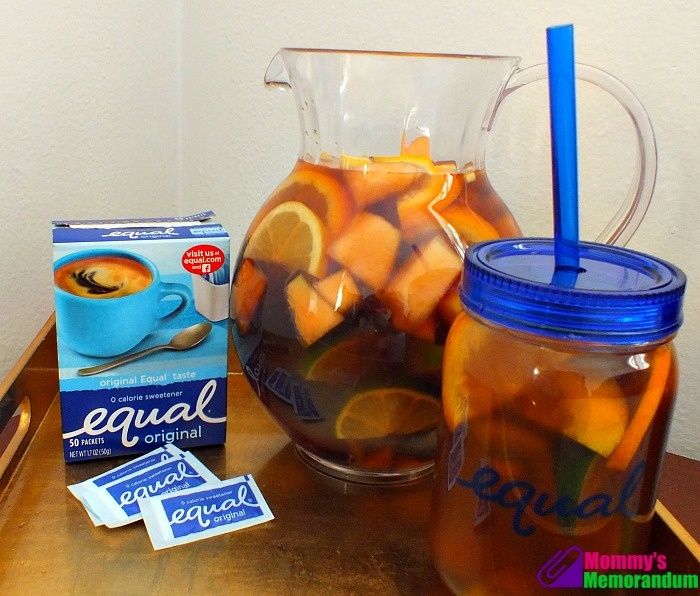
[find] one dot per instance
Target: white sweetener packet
(205, 511)
(81, 490)
(116, 503)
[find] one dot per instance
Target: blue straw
(562, 107)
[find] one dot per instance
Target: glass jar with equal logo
(558, 391)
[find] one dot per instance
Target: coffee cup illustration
(107, 300)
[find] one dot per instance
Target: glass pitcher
(346, 282)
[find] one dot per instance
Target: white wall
(143, 108)
(89, 127)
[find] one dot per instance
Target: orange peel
(625, 451)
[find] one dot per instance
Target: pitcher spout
(277, 74)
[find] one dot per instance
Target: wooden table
(328, 536)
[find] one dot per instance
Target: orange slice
(387, 411)
(469, 226)
(623, 454)
(317, 188)
(290, 235)
(419, 147)
(313, 316)
(417, 152)
(413, 207)
(368, 249)
(495, 364)
(561, 401)
(248, 291)
(455, 389)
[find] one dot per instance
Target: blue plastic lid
(618, 296)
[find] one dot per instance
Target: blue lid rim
(646, 314)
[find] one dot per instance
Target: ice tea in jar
(557, 401)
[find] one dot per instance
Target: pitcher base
(363, 476)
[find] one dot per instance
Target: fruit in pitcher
(469, 226)
(416, 289)
(450, 304)
(313, 316)
(340, 290)
(248, 291)
(332, 291)
(371, 181)
(367, 248)
(386, 411)
(435, 192)
(319, 190)
(290, 235)
(414, 206)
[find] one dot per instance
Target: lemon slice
(290, 235)
(387, 411)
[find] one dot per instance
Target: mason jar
(558, 392)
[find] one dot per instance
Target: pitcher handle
(633, 209)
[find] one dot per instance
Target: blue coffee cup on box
(107, 301)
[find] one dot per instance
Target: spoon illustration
(184, 340)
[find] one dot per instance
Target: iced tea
(545, 445)
(344, 292)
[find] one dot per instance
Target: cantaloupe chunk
(340, 290)
(425, 329)
(313, 315)
(248, 291)
(422, 281)
(368, 249)
(371, 181)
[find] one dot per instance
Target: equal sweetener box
(142, 313)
